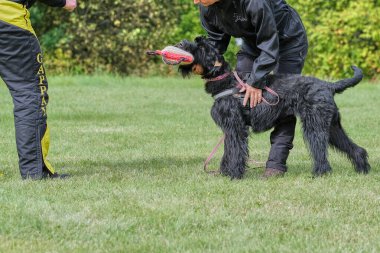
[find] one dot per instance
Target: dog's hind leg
(340, 141)
(316, 134)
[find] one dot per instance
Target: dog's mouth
(197, 69)
(194, 68)
(205, 63)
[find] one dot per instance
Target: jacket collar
(223, 4)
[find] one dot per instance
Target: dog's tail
(341, 85)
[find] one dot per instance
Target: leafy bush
(113, 36)
(107, 35)
(341, 33)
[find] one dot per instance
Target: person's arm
(69, 5)
(54, 3)
(266, 40)
(218, 38)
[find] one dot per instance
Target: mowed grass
(135, 149)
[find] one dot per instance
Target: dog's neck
(219, 81)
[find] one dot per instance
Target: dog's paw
(321, 171)
(236, 173)
(363, 169)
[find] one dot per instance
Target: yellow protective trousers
(21, 68)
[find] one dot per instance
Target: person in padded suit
(21, 68)
(274, 39)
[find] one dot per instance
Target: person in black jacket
(273, 39)
(21, 68)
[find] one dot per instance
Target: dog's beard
(185, 70)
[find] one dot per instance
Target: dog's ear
(219, 66)
(182, 44)
(220, 58)
(201, 40)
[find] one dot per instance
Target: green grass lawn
(135, 149)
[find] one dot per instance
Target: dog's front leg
(235, 156)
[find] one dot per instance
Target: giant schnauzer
(309, 98)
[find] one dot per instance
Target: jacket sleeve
(267, 42)
(54, 3)
(217, 37)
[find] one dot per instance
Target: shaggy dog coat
(309, 98)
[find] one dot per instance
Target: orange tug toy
(172, 55)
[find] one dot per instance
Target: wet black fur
(309, 98)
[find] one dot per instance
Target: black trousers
(282, 136)
(22, 70)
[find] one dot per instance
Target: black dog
(309, 98)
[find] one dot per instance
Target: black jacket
(268, 28)
(53, 3)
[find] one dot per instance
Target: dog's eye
(194, 68)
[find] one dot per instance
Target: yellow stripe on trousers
(15, 14)
(45, 143)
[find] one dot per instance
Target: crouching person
(274, 39)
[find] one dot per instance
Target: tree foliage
(112, 36)
(108, 35)
(341, 33)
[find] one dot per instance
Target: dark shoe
(271, 173)
(57, 176)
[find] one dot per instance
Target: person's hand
(70, 5)
(253, 94)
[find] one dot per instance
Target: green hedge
(113, 36)
(341, 33)
(106, 36)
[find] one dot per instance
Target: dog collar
(218, 78)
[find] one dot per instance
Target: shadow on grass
(175, 167)
(153, 165)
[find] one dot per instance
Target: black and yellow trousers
(22, 70)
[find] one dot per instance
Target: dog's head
(207, 61)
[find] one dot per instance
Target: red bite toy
(173, 55)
